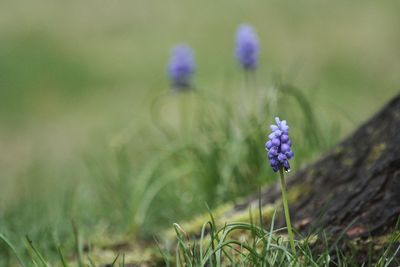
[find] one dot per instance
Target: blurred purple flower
(247, 47)
(279, 146)
(181, 67)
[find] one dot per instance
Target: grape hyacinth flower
(279, 146)
(181, 67)
(279, 154)
(247, 47)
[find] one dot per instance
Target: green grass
(90, 134)
(248, 244)
(218, 158)
(236, 244)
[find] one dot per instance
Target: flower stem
(286, 208)
(184, 113)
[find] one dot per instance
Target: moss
(348, 162)
(244, 216)
(384, 240)
(106, 247)
(338, 150)
(226, 213)
(222, 215)
(295, 192)
(375, 153)
(194, 225)
(133, 255)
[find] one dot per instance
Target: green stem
(250, 91)
(184, 113)
(286, 208)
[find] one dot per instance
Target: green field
(78, 80)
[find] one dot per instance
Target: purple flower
(181, 67)
(279, 146)
(247, 47)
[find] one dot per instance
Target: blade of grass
(38, 254)
(64, 263)
(77, 244)
(115, 260)
(12, 248)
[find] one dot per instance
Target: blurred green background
(78, 78)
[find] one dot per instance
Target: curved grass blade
(63, 261)
(12, 248)
(38, 254)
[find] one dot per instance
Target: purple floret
(181, 67)
(247, 47)
(279, 146)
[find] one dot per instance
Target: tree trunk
(352, 192)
